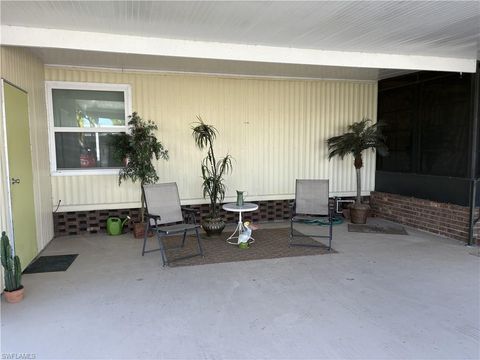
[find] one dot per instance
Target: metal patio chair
(164, 216)
(311, 206)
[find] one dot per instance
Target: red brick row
(439, 218)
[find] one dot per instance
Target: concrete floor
(380, 297)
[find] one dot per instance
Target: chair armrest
(292, 209)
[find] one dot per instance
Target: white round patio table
(246, 207)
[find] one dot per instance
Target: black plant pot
(213, 226)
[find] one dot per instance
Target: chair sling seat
(311, 204)
(163, 216)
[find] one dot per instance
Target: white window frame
(65, 85)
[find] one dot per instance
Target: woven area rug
(269, 244)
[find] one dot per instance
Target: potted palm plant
(213, 171)
(360, 136)
(138, 149)
(12, 272)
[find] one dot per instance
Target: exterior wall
(439, 218)
(23, 69)
(274, 128)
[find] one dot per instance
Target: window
(82, 118)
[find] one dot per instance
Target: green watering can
(115, 225)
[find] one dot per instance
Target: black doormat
(377, 229)
(50, 264)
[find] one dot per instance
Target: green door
(20, 173)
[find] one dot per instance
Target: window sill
(85, 172)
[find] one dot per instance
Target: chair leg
(330, 235)
(290, 238)
(184, 237)
(162, 250)
(200, 248)
(145, 235)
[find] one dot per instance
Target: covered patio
(277, 80)
(381, 296)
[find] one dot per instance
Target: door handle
(15, 181)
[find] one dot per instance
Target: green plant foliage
(212, 170)
(139, 148)
(11, 265)
(360, 136)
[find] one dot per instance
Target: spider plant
(360, 136)
(213, 170)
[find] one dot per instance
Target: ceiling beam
(104, 42)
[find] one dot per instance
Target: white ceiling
(448, 28)
(443, 29)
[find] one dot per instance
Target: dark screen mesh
(427, 125)
(444, 126)
(396, 111)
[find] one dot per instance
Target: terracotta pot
(139, 231)
(14, 296)
(213, 226)
(359, 213)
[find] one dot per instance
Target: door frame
(9, 213)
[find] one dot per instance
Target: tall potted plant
(138, 149)
(12, 272)
(213, 171)
(360, 136)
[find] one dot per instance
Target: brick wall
(95, 221)
(439, 218)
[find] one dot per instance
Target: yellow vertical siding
(23, 69)
(274, 128)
